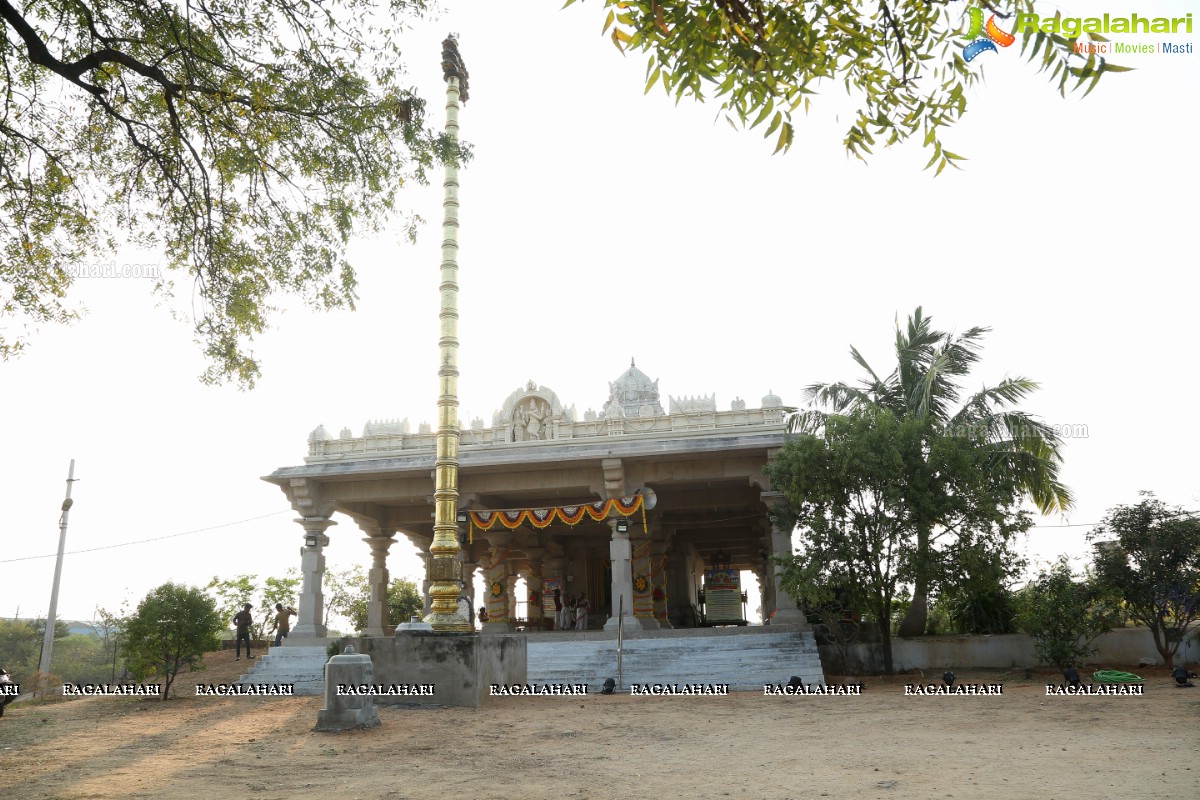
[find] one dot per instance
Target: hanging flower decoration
(497, 589)
(640, 583)
(542, 518)
(534, 598)
(658, 594)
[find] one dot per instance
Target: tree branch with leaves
(765, 61)
(246, 141)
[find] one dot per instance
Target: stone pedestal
(460, 666)
(345, 712)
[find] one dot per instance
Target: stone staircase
(303, 667)
(744, 658)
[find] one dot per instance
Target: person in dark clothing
(243, 621)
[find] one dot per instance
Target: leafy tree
(1149, 553)
(1064, 615)
(404, 600)
(173, 627)
(110, 627)
(903, 63)
(975, 589)
(231, 595)
(20, 646)
(347, 593)
(1012, 451)
(842, 497)
(342, 588)
(247, 141)
(61, 629)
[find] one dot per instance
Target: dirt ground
(880, 745)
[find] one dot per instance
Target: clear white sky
(599, 224)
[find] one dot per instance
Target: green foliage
(978, 458)
(1149, 554)
(348, 592)
(248, 142)
(20, 647)
(765, 61)
(110, 628)
(404, 600)
(975, 592)
(1064, 614)
(173, 627)
(842, 494)
(232, 593)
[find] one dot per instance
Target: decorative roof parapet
(387, 443)
(693, 405)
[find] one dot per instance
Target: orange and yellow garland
(569, 515)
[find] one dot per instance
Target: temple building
(634, 505)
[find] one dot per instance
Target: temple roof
(633, 391)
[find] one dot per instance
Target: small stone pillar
(310, 622)
(621, 552)
(349, 711)
(378, 623)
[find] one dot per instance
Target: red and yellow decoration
(540, 518)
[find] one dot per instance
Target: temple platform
(743, 657)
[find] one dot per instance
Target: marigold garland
(542, 518)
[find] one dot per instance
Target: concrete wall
(1124, 646)
(460, 666)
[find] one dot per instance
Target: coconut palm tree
(926, 384)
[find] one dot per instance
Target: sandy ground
(879, 745)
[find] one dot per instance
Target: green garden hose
(1115, 676)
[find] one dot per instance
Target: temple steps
(744, 658)
(303, 667)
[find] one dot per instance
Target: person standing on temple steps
(560, 617)
(242, 620)
(582, 607)
(282, 623)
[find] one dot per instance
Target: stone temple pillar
(310, 613)
(786, 612)
(534, 587)
(469, 587)
(510, 584)
(621, 552)
(496, 577)
(659, 590)
(642, 568)
(378, 623)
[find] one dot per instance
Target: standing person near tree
(281, 626)
(581, 612)
(242, 620)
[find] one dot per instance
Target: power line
(155, 539)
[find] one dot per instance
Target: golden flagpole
(445, 570)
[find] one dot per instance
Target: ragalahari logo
(983, 37)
